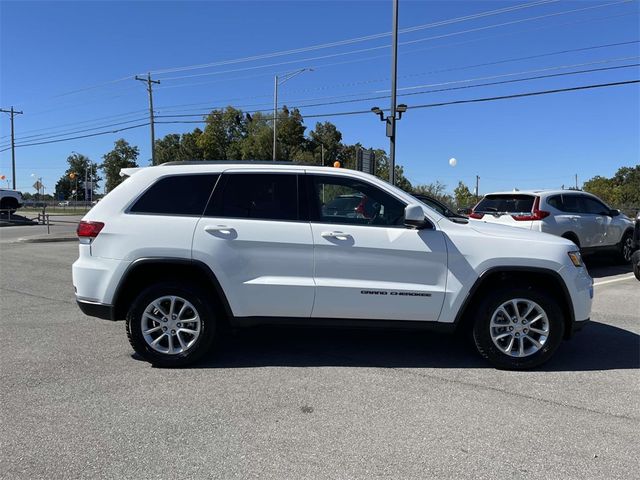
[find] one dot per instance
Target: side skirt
(246, 322)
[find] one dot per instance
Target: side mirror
(414, 217)
(614, 212)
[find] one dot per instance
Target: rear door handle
(336, 235)
(223, 229)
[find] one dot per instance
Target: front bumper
(99, 310)
(577, 326)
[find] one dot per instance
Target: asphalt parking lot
(306, 403)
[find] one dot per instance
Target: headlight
(576, 258)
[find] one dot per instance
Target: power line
(60, 126)
(409, 42)
(465, 67)
(368, 112)
(369, 98)
(335, 64)
(352, 40)
(456, 102)
(546, 69)
(315, 47)
(45, 137)
(295, 104)
(369, 81)
(80, 136)
(544, 27)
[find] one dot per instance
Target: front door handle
(223, 229)
(336, 235)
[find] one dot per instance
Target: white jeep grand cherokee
(184, 249)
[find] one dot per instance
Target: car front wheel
(518, 329)
(171, 325)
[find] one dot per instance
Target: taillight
(536, 213)
(476, 215)
(88, 230)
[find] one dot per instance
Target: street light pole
(275, 113)
(277, 81)
(392, 116)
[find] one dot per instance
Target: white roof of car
(536, 192)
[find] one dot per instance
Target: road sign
(366, 161)
(37, 186)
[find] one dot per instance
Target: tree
(80, 167)
(258, 142)
(325, 137)
(382, 171)
(435, 190)
(463, 196)
(122, 156)
(168, 149)
(622, 190)
(602, 187)
(347, 156)
(290, 134)
(223, 135)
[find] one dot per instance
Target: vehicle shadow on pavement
(606, 266)
(7, 220)
(597, 347)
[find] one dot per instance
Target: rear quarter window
(177, 195)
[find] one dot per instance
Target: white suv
(578, 216)
(184, 249)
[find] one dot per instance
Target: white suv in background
(578, 216)
(182, 250)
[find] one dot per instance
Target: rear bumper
(98, 310)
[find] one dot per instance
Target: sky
(69, 66)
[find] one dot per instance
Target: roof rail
(225, 162)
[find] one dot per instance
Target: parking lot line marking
(612, 281)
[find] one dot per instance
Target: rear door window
(264, 196)
(571, 203)
(176, 195)
(508, 203)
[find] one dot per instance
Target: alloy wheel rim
(627, 249)
(170, 325)
(519, 327)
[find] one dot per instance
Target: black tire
(200, 308)
(626, 247)
(635, 260)
(482, 328)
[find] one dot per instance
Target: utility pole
(149, 83)
(13, 113)
(576, 181)
(392, 116)
(477, 187)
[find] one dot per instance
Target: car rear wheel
(171, 325)
(518, 329)
(626, 247)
